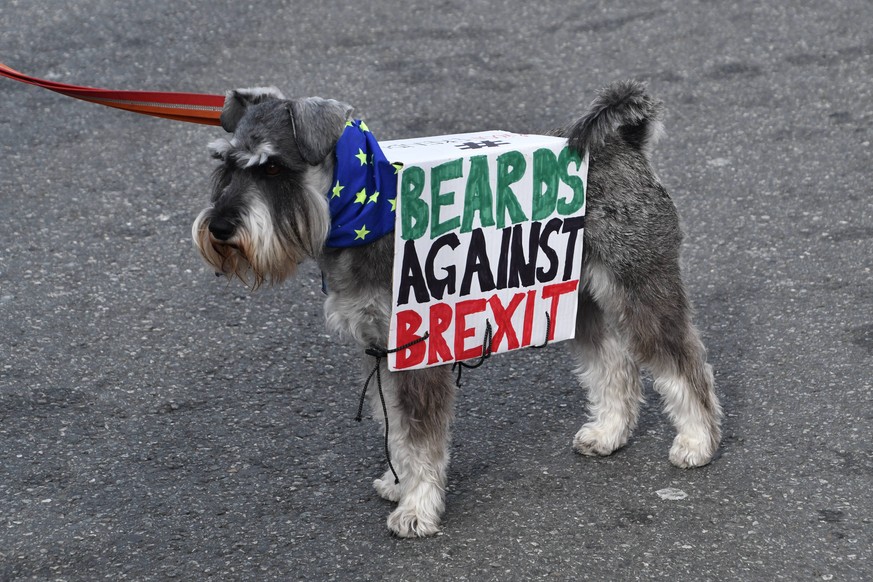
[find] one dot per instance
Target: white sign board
(488, 235)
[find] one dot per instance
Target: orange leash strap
(189, 107)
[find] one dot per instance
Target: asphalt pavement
(158, 423)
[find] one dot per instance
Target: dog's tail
(624, 107)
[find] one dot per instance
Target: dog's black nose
(221, 229)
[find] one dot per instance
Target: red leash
(190, 107)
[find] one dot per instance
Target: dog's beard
(263, 250)
(254, 255)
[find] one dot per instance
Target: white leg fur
(614, 395)
(387, 488)
(421, 468)
(697, 431)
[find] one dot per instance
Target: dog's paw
(592, 440)
(405, 522)
(387, 488)
(688, 452)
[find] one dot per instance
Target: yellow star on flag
(393, 202)
(397, 166)
(361, 156)
(374, 198)
(361, 197)
(336, 190)
(349, 123)
(362, 232)
(364, 127)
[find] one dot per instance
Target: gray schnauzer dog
(269, 212)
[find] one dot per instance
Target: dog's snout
(221, 228)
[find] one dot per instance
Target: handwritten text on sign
(489, 231)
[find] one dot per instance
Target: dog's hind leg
(420, 405)
(611, 378)
(686, 384)
(657, 322)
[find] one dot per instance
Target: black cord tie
(486, 353)
(548, 332)
(486, 349)
(379, 353)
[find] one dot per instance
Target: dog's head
(269, 209)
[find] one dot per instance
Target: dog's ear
(237, 101)
(318, 124)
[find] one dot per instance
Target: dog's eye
(272, 169)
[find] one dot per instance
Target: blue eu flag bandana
(363, 198)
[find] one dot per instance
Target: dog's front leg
(420, 405)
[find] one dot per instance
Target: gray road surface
(157, 423)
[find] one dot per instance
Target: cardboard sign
(488, 235)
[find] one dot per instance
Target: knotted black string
(548, 332)
(486, 353)
(379, 353)
(486, 349)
